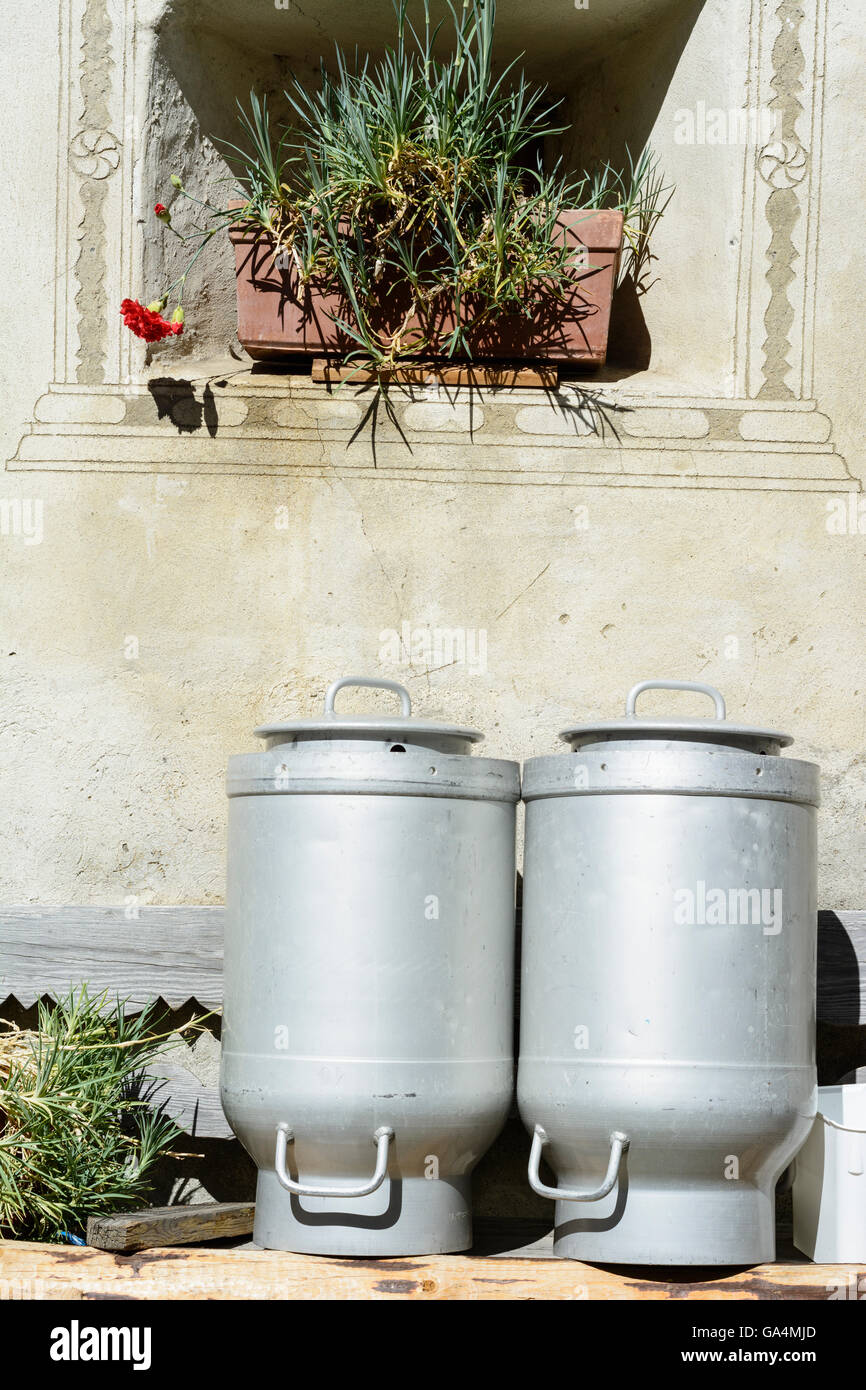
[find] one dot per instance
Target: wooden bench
(53, 1272)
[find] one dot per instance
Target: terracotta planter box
(276, 317)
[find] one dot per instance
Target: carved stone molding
(605, 437)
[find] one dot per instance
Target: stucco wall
(188, 560)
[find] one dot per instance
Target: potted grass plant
(80, 1134)
(402, 211)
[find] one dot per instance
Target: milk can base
(653, 1226)
(412, 1216)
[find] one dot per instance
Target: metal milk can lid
(714, 731)
(676, 756)
(353, 753)
(396, 728)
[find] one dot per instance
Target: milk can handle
(372, 683)
(619, 1143)
(716, 696)
(382, 1137)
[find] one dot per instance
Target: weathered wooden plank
(192, 1104)
(161, 1226)
(175, 953)
(250, 1273)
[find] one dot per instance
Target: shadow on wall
(197, 1169)
(196, 80)
(175, 399)
(629, 337)
(612, 106)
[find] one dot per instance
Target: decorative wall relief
(94, 154)
(783, 165)
(778, 271)
(95, 195)
(99, 413)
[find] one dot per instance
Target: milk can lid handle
(698, 686)
(373, 683)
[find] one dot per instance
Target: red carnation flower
(160, 209)
(146, 322)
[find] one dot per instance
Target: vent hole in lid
(397, 748)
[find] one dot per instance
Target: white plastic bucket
(830, 1180)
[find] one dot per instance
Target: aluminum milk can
(667, 1067)
(367, 1042)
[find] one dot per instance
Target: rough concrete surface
(199, 567)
